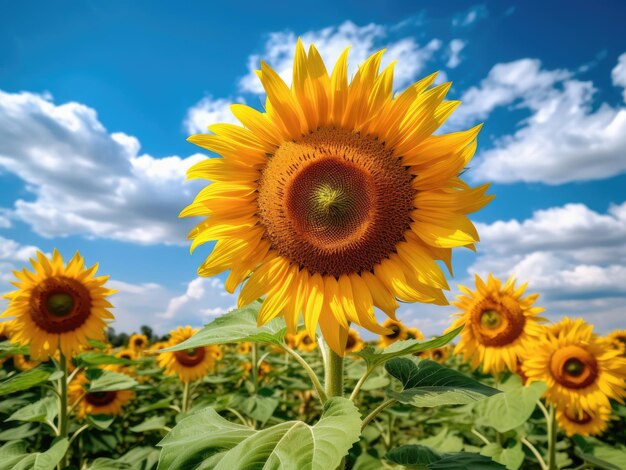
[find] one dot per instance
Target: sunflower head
(244, 348)
(500, 324)
(397, 332)
(618, 340)
(305, 342)
(138, 342)
(337, 198)
(263, 370)
(23, 362)
(354, 342)
(188, 364)
(57, 306)
(96, 403)
(580, 369)
(574, 420)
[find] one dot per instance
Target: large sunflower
(96, 403)
(580, 369)
(337, 198)
(500, 324)
(58, 307)
(189, 364)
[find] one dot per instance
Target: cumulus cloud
(574, 256)
(565, 138)
(618, 74)
(209, 111)
(471, 16)
(85, 180)
(365, 40)
(454, 52)
(203, 299)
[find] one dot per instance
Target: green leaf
(12, 456)
(11, 349)
(101, 421)
(421, 457)
(138, 458)
(511, 409)
(19, 432)
(25, 380)
(257, 406)
(40, 411)
(375, 382)
(511, 457)
(151, 424)
(237, 326)
(428, 384)
(110, 381)
(377, 356)
(206, 440)
(444, 441)
(93, 358)
(600, 455)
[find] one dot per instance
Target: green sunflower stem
(186, 397)
(63, 431)
(333, 381)
(552, 431)
(255, 367)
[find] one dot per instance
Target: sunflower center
(307, 340)
(138, 342)
(395, 332)
(574, 367)
(437, 354)
(60, 304)
(190, 357)
(335, 202)
(490, 319)
(581, 418)
(100, 398)
(497, 322)
(350, 342)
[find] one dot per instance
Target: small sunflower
(189, 364)
(5, 335)
(440, 355)
(157, 347)
(96, 403)
(414, 333)
(338, 198)
(354, 342)
(397, 332)
(138, 342)
(129, 354)
(583, 422)
(58, 307)
(500, 324)
(305, 342)
(580, 369)
(244, 348)
(263, 370)
(23, 362)
(618, 340)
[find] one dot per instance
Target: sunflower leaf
(13, 457)
(512, 408)
(376, 356)
(428, 384)
(111, 381)
(206, 440)
(151, 424)
(25, 380)
(92, 358)
(40, 411)
(422, 457)
(237, 326)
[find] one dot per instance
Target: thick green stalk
(185, 405)
(552, 431)
(255, 366)
(334, 374)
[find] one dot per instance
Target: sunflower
(618, 340)
(5, 335)
(500, 324)
(580, 369)
(397, 332)
(337, 198)
(96, 403)
(354, 342)
(305, 342)
(58, 307)
(583, 422)
(189, 364)
(138, 342)
(439, 354)
(262, 371)
(24, 362)
(129, 354)
(244, 348)
(155, 347)
(414, 333)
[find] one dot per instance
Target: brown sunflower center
(437, 354)
(190, 357)
(307, 340)
(3, 338)
(335, 201)
(574, 367)
(350, 342)
(125, 356)
(138, 342)
(497, 322)
(100, 398)
(395, 332)
(579, 418)
(60, 304)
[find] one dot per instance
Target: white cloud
(454, 52)
(471, 16)
(574, 256)
(87, 181)
(618, 74)
(566, 138)
(365, 40)
(204, 298)
(12, 255)
(209, 111)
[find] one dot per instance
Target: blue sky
(97, 98)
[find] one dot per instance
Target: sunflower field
(327, 209)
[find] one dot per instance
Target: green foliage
(14, 457)
(424, 458)
(25, 380)
(512, 408)
(93, 358)
(206, 440)
(43, 410)
(598, 454)
(511, 456)
(109, 381)
(238, 326)
(428, 384)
